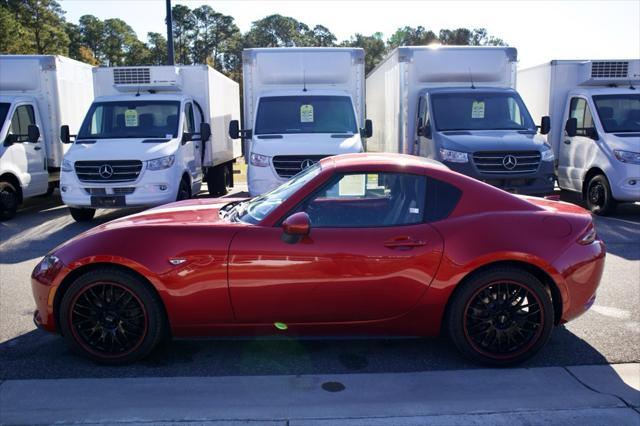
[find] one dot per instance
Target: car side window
(579, 110)
(363, 200)
(22, 118)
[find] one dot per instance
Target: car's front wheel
(598, 196)
(111, 316)
(500, 316)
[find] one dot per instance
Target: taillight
(589, 236)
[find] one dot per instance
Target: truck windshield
(619, 113)
(4, 110)
(305, 114)
(480, 111)
(131, 119)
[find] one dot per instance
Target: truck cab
(486, 133)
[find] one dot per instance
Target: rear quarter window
(442, 198)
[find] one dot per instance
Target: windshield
(256, 209)
(619, 113)
(4, 110)
(131, 119)
(305, 114)
(480, 111)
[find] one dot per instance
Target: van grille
(503, 162)
(131, 76)
(108, 171)
(609, 69)
(289, 165)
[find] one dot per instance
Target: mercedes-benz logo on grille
(306, 164)
(509, 162)
(105, 171)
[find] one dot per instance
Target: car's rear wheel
(501, 316)
(111, 316)
(598, 196)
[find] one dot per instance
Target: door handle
(403, 243)
(37, 148)
(567, 142)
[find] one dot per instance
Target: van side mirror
(234, 129)
(65, 136)
(545, 125)
(33, 133)
(205, 132)
(295, 227)
(571, 127)
(368, 128)
(10, 140)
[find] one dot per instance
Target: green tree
(212, 34)
(277, 31)
(409, 36)
(93, 34)
(467, 37)
(183, 27)
(119, 41)
(157, 45)
(44, 21)
(14, 38)
(373, 45)
(320, 36)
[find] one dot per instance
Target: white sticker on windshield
(352, 186)
(306, 113)
(477, 109)
(414, 210)
(131, 118)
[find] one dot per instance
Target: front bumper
(262, 179)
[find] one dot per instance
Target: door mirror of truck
(545, 125)
(296, 227)
(571, 127)
(33, 133)
(65, 136)
(205, 132)
(234, 129)
(10, 140)
(186, 137)
(368, 129)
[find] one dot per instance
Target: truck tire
(184, 192)
(217, 179)
(83, 214)
(9, 201)
(598, 196)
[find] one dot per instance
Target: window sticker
(477, 109)
(352, 186)
(306, 113)
(414, 210)
(131, 118)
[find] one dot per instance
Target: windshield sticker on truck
(352, 186)
(477, 109)
(131, 118)
(306, 113)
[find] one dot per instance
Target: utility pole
(169, 21)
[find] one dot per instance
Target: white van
(152, 135)
(37, 94)
(300, 105)
(595, 125)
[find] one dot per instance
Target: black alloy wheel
(501, 317)
(598, 196)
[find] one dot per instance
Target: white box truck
(151, 136)
(300, 105)
(458, 105)
(594, 107)
(37, 94)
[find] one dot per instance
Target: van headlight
(454, 156)
(66, 166)
(161, 163)
(547, 153)
(627, 156)
(259, 160)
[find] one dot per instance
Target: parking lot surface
(608, 333)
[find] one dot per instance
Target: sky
(540, 30)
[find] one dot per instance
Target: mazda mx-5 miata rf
(359, 244)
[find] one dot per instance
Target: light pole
(169, 21)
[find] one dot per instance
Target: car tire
(112, 316)
(500, 317)
(9, 201)
(598, 196)
(217, 179)
(82, 214)
(184, 191)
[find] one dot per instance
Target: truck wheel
(9, 201)
(82, 215)
(184, 192)
(598, 196)
(217, 179)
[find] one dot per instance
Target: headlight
(627, 156)
(66, 166)
(454, 156)
(161, 163)
(259, 160)
(547, 153)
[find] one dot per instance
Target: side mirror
(186, 137)
(10, 140)
(545, 125)
(368, 128)
(296, 227)
(33, 133)
(234, 129)
(571, 127)
(205, 132)
(65, 136)
(426, 130)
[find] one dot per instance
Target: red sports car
(356, 244)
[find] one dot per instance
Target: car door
(30, 157)
(369, 255)
(577, 151)
(192, 145)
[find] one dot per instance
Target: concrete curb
(365, 399)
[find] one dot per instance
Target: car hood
(491, 140)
